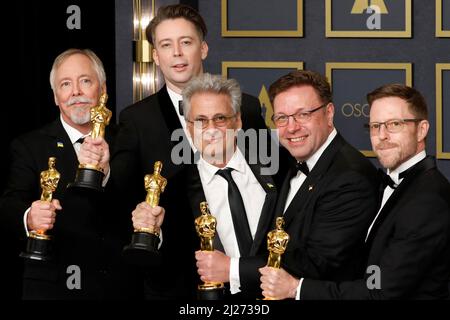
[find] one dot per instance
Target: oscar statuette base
(143, 250)
(211, 291)
(38, 247)
(88, 178)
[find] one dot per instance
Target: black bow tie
(80, 140)
(386, 180)
(180, 107)
(303, 167)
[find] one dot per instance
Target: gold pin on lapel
(310, 187)
(270, 185)
(60, 144)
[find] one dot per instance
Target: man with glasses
(238, 195)
(329, 198)
(178, 37)
(408, 242)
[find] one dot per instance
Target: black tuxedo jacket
(85, 232)
(409, 242)
(248, 273)
(328, 218)
(145, 137)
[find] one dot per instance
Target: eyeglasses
(392, 126)
(218, 121)
(282, 120)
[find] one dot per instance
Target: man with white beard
(86, 242)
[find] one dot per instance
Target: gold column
(145, 76)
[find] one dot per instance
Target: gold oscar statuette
(38, 247)
(88, 175)
(205, 225)
(100, 117)
(154, 185)
(143, 249)
(277, 241)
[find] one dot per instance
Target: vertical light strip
(144, 70)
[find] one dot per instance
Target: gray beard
(79, 116)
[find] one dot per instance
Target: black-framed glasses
(282, 120)
(218, 121)
(392, 126)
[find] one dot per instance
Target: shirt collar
(208, 171)
(175, 98)
(311, 162)
(73, 133)
(405, 166)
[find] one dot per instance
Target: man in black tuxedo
(408, 242)
(150, 131)
(86, 240)
(240, 195)
(330, 195)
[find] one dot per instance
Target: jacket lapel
(195, 191)
(62, 149)
(167, 110)
(311, 185)
(267, 211)
(283, 194)
(422, 166)
(196, 195)
(172, 121)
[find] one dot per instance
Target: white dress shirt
(176, 98)
(73, 134)
(216, 193)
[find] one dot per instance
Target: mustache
(385, 145)
(74, 100)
